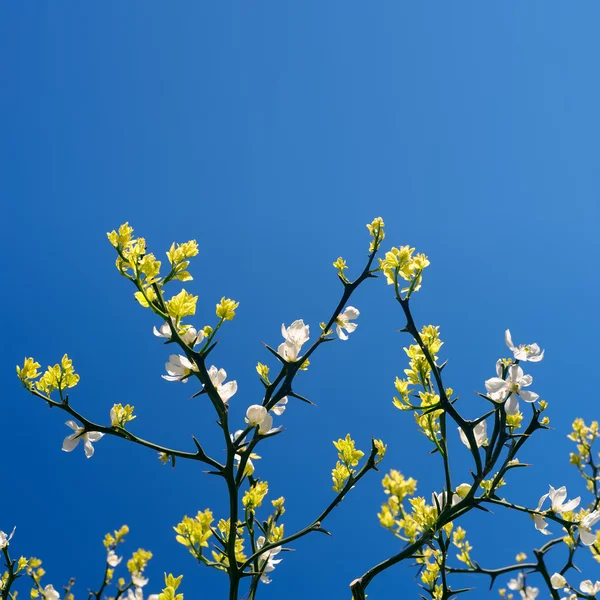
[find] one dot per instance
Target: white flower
(258, 415)
(558, 581)
(71, 441)
(50, 593)
(343, 322)
(529, 593)
(559, 506)
(255, 414)
(191, 337)
(540, 524)
(480, 433)
(112, 559)
(500, 390)
(516, 584)
(439, 500)
(4, 539)
(587, 587)
(179, 368)
(237, 436)
(266, 562)
(138, 595)
(138, 579)
(530, 352)
(295, 336)
(558, 497)
(164, 331)
(585, 525)
(217, 378)
(280, 407)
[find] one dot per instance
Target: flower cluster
(349, 458)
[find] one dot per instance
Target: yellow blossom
(182, 305)
(254, 497)
(119, 415)
(226, 309)
(194, 533)
(376, 230)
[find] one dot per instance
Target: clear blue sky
(272, 132)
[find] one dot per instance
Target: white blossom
(164, 331)
(237, 436)
(516, 584)
(585, 525)
(71, 441)
(510, 389)
(295, 336)
(217, 378)
(524, 352)
(50, 593)
(557, 498)
(558, 506)
(138, 595)
(480, 433)
(280, 407)
(179, 368)
(138, 579)
(558, 581)
(4, 539)
(526, 592)
(587, 587)
(258, 415)
(440, 500)
(191, 337)
(343, 322)
(266, 562)
(112, 559)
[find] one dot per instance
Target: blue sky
(272, 132)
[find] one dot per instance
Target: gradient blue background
(272, 132)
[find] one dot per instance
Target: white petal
(499, 368)
(280, 407)
(542, 500)
(508, 339)
(266, 425)
(171, 377)
(70, 442)
(587, 538)
(512, 405)
(351, 313)
(515, 373)
(88, 448)
(228, 390)
(495, 384)
(73, 425)
(528, 396)
(571, 504)
(94, 436)
(558, 497)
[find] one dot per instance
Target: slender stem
(124, 434)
